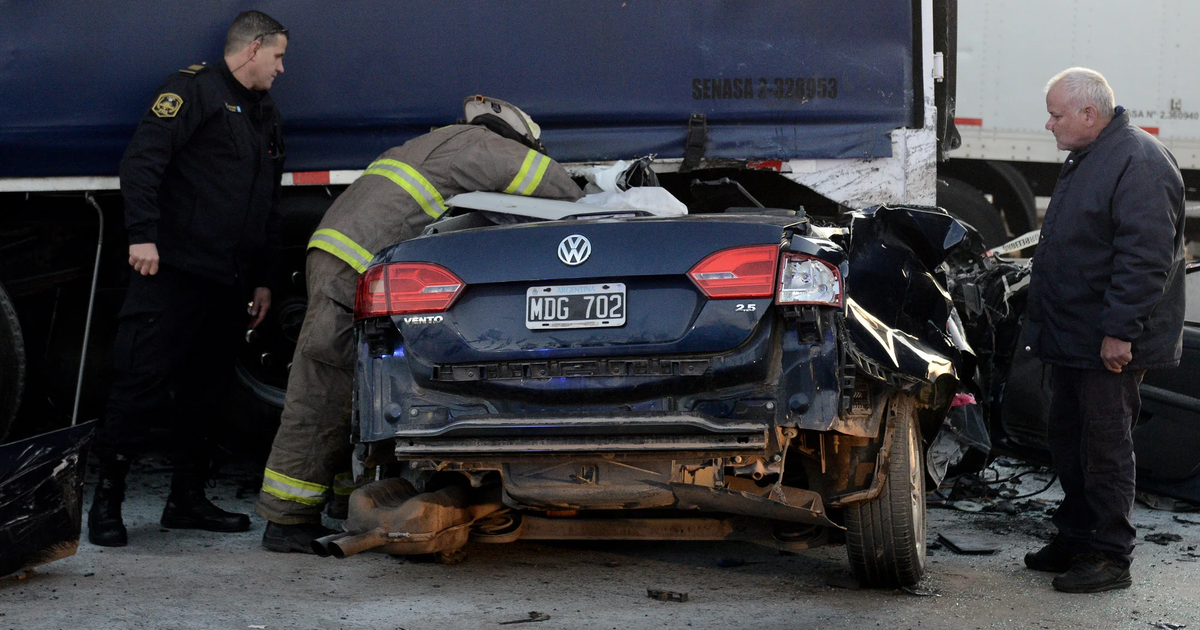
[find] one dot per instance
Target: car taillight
(739, 272)
(807, 280)
(402, 288)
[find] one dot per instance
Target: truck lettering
(724, 89)
(775, 88)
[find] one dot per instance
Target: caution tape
(1029, 239)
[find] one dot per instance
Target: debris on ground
(844, 581)
(1003, 506)
(24, 575)
(994, 490)
(1166, 625)
(1163, 538)
(666, 596)
(729, 563)
(533, 616)
(1167, 504)
(1180, 519)
(918, 592)
(967, 545)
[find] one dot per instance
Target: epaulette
(195, 68)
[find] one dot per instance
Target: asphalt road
(189, 579)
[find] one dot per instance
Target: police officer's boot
(188, 508)
(105, 527)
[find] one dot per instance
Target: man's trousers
(1092, 413)
(176, 332)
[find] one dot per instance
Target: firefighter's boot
(298, 538)
(105, 527)
(188, 508)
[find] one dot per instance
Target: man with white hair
(1106, 303)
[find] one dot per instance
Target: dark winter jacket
(1110, 261)
(201, 177)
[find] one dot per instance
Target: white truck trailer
(1008, 49)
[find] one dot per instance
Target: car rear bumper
(612, 433)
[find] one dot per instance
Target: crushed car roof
(549, 209)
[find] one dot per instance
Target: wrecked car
(990, 294)
(580, 373)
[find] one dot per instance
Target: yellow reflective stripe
(289, 489)
(521, 174)
(336, 251)
(291, 497)
(295, 483)
(410, 180)
(530, 175)
(341, 246)
(346, 240)
(343, 484)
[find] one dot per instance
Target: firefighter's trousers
(311, 454)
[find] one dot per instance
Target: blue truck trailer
(802, 103)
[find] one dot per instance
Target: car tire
(885, 536)
(12, 363)
(965, 203)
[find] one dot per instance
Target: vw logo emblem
(574, 250)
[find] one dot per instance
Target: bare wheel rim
(916, 481)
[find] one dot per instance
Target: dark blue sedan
(563, 372)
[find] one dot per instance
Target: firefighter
(498, 149)
(200, 180)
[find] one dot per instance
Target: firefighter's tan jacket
(405, 188)
(395, 198)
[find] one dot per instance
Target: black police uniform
(201, 180)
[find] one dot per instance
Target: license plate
(575, 306)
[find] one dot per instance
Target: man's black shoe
(1094, 572)
(190, 509)
(1052, 558)
(105, 527)
(298, 538)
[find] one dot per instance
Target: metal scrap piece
(666, 596)
(1163, 538)
(533, 617)
(967, 545)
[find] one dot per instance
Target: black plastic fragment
(41, 497)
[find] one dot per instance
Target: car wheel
(965, 203)
(12, 363)
(885, 537)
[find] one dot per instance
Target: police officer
(499, 149)
(201, 184)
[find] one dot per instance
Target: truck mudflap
(41, 497)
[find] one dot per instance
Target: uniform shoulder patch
(167, 105)
(195, 68)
